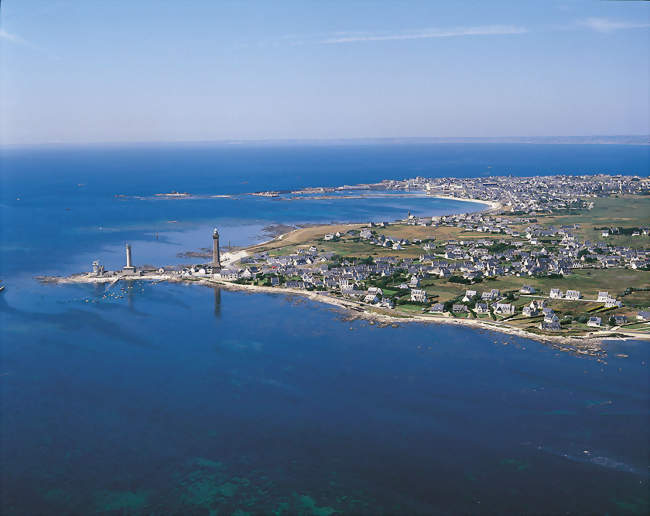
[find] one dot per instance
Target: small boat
(2, 287)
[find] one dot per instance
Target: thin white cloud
(607, 25)
(7, 36)
(23, 43)
(486, 30)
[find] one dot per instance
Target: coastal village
(550, 256)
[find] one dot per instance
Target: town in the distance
(565, 259)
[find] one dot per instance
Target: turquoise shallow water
(173, 399)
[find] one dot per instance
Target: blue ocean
(149, 398)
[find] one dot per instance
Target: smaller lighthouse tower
(128, 268)
(216, 253)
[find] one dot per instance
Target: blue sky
(158, 70)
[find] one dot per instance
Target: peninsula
(562, 259)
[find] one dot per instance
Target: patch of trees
(568, 211)
(385, 281)
(463, 281)
(499, 247)
(471, 304)
(629, 290)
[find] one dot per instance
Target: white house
(555, 293)
(572, 294)
(482, 308)
(530, 310)
(594, 322)
(603, 296)
(345, 284)
(419, 296)
(371, 299)
(228, 275)
(469, 294)
(550, 322)
(387, 303)
(438, 308)
(504, 309)
(492, 295)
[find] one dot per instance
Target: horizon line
(593, 139)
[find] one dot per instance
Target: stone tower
(216, 254)
(129, 265)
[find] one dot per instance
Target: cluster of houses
(524, 249)
(386, 241)
(478, 258)
(575, 295)
(530, 195)
(314, 269)
(536, 250)
(557, 244)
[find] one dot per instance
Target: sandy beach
(492, 205)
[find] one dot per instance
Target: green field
(609, 212)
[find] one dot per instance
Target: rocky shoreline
(591, 345)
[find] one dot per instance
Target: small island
(561, 259)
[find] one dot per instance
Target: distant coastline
(632, 139)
